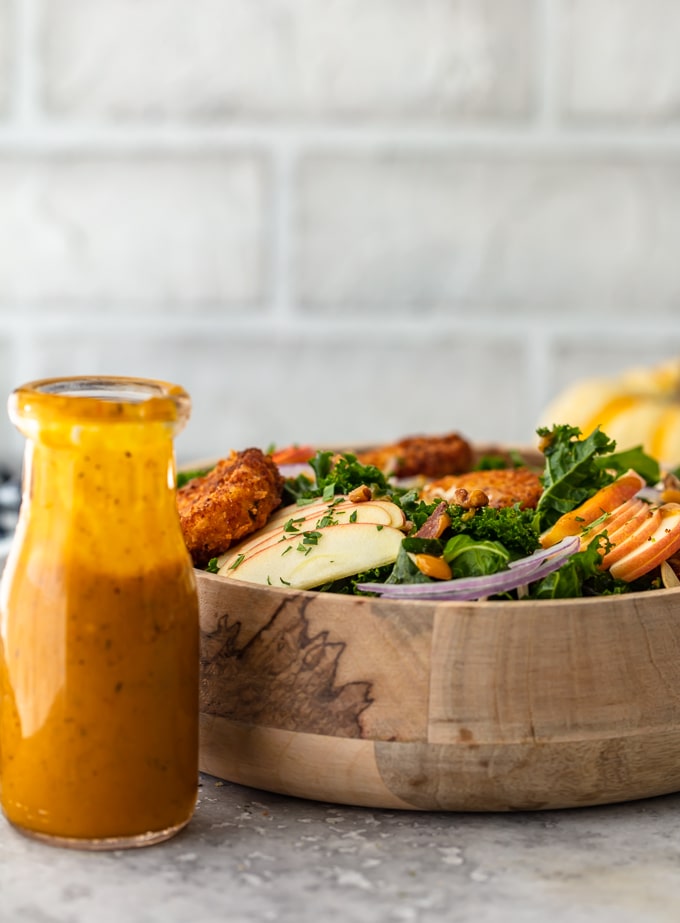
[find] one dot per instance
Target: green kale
(470, 558)
(335, 475)
(571, 473)
(514, 528)
(415, 509)
(491, 461)
(348, 473)
(416, 545)
(576, 468)
(348, 585)
(620, 462)
(183, 477)
(405, 571)
(580, 576)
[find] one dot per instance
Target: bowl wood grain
(483, 706)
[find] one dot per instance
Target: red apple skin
(618, 518)
(341, 551)
(631, 535)
(604, 501)
(663, 543)
(380, 512)
(623, 514)
(283, 514)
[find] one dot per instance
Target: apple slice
(340, 551)
(378, 512)
(604, 501)
(320, 508)
(298, 516)
(632, 534)
(617, 518)
(668, 576)
(302, 511)
(623, 514)
(620, 526)
(655, 549)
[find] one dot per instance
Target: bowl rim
(443, 605)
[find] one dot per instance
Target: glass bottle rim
(112, 398)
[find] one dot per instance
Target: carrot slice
(293, 454)
(604, 501)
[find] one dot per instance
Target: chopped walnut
(360, 494)
(470, 500)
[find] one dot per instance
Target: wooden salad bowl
(453, 706)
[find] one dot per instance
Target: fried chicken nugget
(503, 487)
(431, 456)
(233, 500)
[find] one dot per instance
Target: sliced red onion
(557, 548)
(524, 571)
(650, 494)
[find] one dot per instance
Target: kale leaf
(183, 477)
(571, 473)
(576, 468)
(347, 586)
(514, 528)
(405, 570)
(580, 576)
(333, 475)
(635, 458)
(470, 558)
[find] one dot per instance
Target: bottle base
(99, 844)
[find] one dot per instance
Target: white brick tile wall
(354, 389)
(156, 230)
(137, 58)
(5, 55)
(258, 390)
(11, 443)
(579, 357)
(621, 59)
(339, 221)
(443, 234)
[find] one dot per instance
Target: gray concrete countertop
(253, 856)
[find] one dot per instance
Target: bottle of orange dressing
(99, 620)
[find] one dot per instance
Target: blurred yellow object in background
(640, 406)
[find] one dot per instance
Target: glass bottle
(99, 620)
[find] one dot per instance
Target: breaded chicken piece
(431, 456)
(503, 487)
(234, 499)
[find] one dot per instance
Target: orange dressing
(99, 627)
